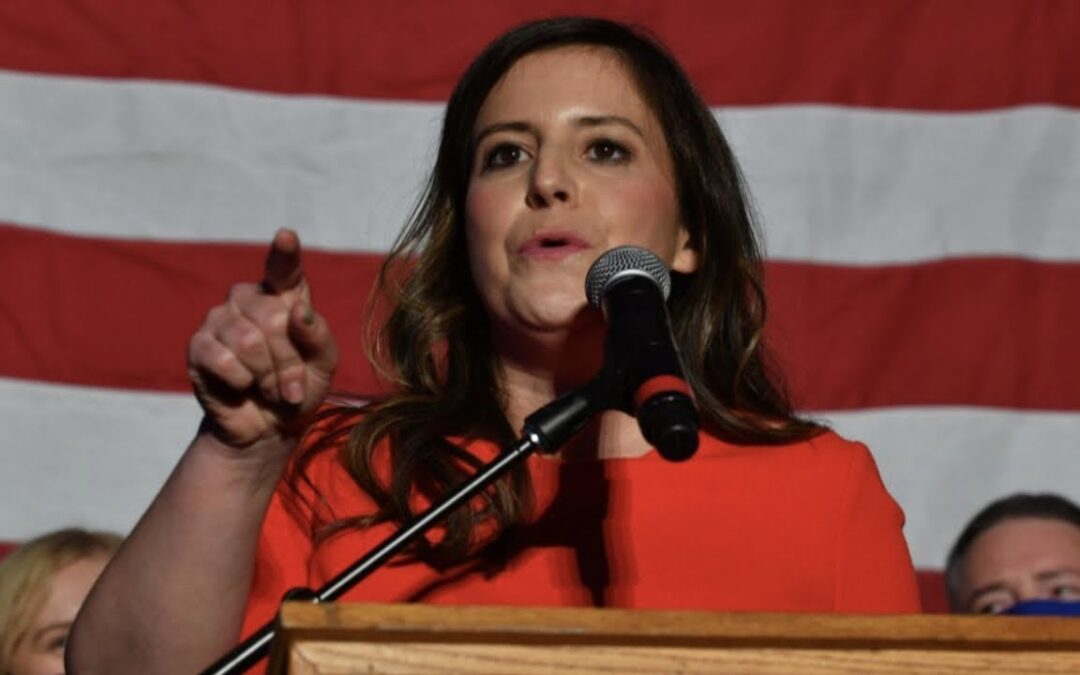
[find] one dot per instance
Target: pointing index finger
(283, 270)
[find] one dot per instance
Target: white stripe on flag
(81, 456)
(185, 162)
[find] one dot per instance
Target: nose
(551, 182)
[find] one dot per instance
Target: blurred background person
(42, 585)
(1018, 549)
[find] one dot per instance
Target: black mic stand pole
(547, 430)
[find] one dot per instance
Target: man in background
(1018, 549)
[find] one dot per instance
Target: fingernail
(309, 315)
(294, 393)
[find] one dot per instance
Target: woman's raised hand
(262, 360)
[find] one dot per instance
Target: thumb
(283, 269)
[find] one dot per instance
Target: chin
(549, 306)
(546, 320)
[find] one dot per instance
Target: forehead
(69, 588)
(1024, 545)
(564, 80)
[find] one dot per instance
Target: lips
(552, 245)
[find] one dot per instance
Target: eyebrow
(50, 627)
(1057, 572)
(523, 127)
(601, 120)
(583, 121)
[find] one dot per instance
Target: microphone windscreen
(622, 261)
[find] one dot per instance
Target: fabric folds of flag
(916, 166)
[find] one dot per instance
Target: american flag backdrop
(916, 166)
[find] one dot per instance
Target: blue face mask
(1045, 608)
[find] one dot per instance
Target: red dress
(806, 527)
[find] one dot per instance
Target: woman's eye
(504, 154)
(608, 151)
(1065, 592)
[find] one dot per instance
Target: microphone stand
(547, 430)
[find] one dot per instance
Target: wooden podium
(358, 638)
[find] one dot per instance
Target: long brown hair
(434, 346)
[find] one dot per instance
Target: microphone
(630, 285)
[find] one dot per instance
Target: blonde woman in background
(42, 585)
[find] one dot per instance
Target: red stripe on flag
(916, 54)
(982, 331)
(991, 332)
(119, 313)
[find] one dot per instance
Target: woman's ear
(686, 258)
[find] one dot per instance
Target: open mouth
(553, 245)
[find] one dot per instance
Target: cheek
(486, 217)
(32, 661)
(644, 212)
(479, 217)
(486, 214)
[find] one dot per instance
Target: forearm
(173, 598)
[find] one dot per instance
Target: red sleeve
(285, 547)
(283, 557)
(874, 573)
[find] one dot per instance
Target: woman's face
(570, 161)
(41, 650)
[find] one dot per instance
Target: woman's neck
(612, 434)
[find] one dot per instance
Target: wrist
(257, 465)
